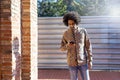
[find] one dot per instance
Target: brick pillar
(29, 40)
(18, 39)
(25, 73)
(5, 40)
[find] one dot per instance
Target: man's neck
(74, 28)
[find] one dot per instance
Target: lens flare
(115, 11)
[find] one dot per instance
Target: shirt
(81, 53)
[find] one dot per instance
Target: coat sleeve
(88, 47)
(64, 45)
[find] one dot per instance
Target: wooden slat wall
(104, 33)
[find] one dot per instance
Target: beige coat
(81, 52)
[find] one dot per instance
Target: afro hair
(71, 16)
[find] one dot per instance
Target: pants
(84, 72)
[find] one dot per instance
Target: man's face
(71, 23)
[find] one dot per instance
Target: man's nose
(71, 25)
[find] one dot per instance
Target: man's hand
(90, 65)
(70, 44)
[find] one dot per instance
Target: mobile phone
(72, 42)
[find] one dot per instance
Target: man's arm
(88, 47)
(63, 44)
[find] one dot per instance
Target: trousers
(83, 69)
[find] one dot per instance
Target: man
(79, 52)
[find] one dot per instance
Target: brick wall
(25, 47)
(18, 40)
(29, 40)
(5, 40)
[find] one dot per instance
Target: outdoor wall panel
(104, 35)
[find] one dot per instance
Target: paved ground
(62, 74)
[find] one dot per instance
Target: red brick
(6, 68)
(6, 63)
(8, 30)
(5, 72)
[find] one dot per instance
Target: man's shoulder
(67, 30)
(82, 29)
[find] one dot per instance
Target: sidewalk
(63, 74)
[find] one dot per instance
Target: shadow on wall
(17, 57)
